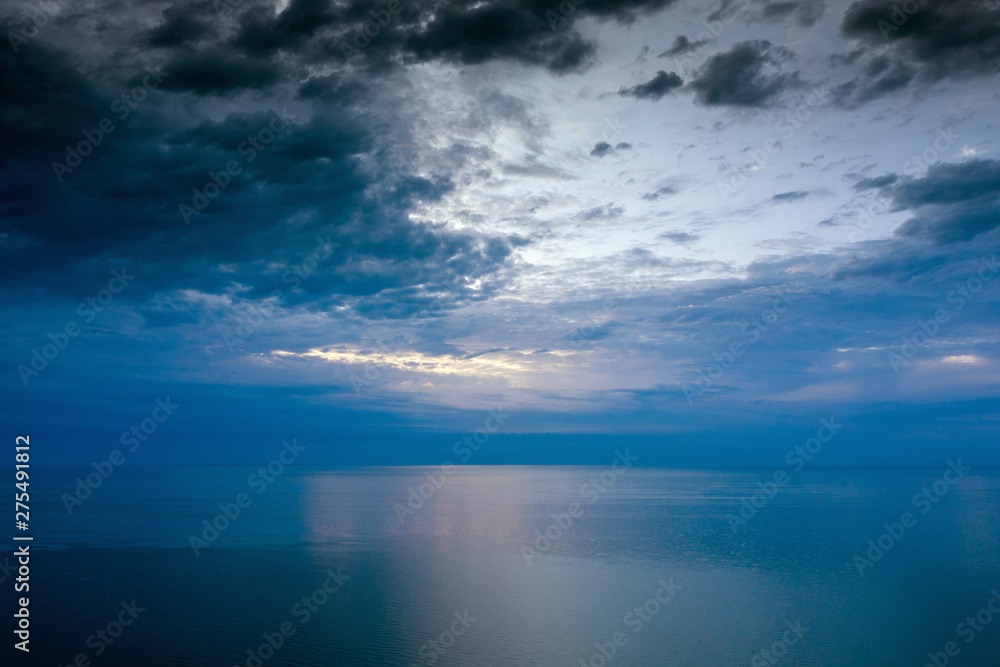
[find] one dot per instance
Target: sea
(511, 565)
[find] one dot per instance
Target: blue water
(642, 568)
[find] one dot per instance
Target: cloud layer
(416, 209)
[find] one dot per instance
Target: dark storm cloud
(475, 35)
(262, 31)
(183, 23)
(947, 183)
(951, 202)
(925, 41)
(219, 72)
(119, 205)
(748, 75)
(655, 88)
(465, 32)
(946, 38)
(122, 201)
(880, 77)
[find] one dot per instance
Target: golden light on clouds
(961, 359)
(497, 363)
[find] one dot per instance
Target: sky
(696, 227)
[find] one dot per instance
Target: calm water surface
(517, 566)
